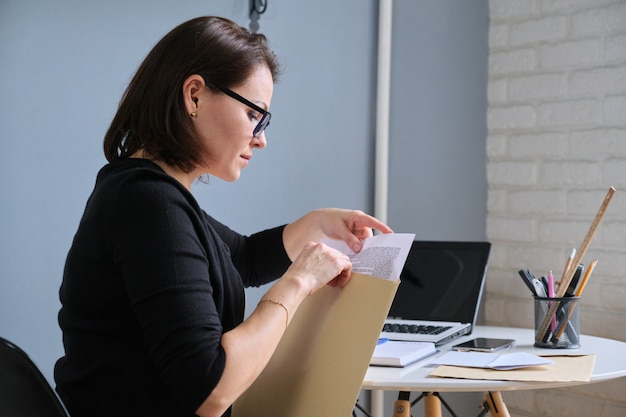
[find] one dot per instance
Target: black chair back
(24, 391)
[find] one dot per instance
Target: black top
(151, 282)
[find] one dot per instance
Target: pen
(571, 288)
(551, 295)
(550, 285)
(581, 288)
(525, 275)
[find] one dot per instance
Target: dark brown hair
(152, 115)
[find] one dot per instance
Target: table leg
(402, 406)
(377, 403)
(432, 405)
(496, 405)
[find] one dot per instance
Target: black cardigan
(151, 282)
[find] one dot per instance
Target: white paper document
(497, 361)
(382, 256)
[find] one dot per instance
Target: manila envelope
(321, 360)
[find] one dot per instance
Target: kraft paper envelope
(320, 362)
(564, 369)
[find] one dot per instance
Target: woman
(153, 288)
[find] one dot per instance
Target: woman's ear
(192, 87)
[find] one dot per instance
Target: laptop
(440, 289)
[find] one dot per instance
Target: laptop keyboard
(413, 328)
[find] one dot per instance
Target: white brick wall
(557, 142)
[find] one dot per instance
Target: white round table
(610, 363)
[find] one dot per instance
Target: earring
(195, 112)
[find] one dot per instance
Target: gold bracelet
(278, 303)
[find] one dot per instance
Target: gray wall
(438, 125)
(65, 64)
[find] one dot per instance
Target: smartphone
(484, 344)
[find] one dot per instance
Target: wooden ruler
(545, 324)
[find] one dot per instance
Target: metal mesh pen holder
(557, 322)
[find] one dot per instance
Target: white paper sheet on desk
(497, 361)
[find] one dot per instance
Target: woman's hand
(318, 265)
(350, 226)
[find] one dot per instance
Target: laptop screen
(442, 281)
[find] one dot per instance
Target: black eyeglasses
(265, 118)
